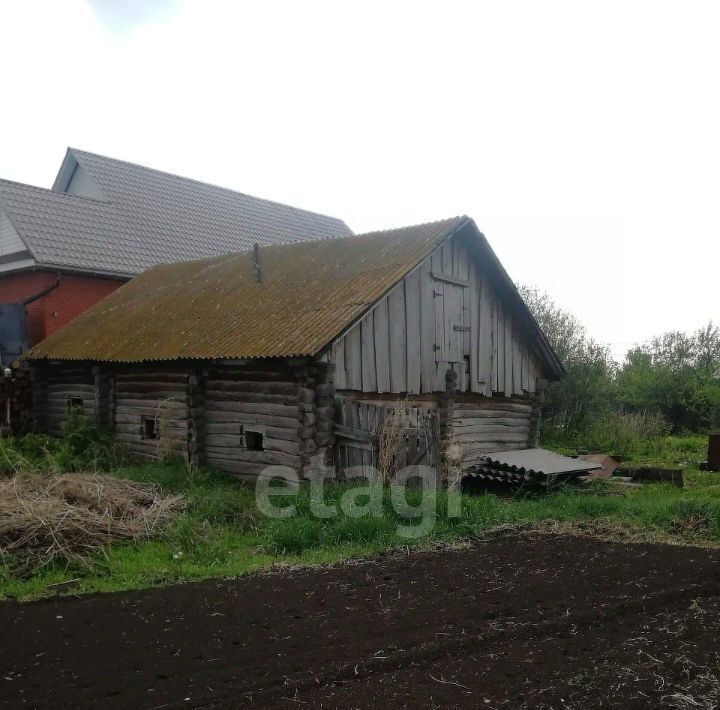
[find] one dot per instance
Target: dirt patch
(519, 621)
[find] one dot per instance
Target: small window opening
(251, 440)
(149, 428)
(75, 404)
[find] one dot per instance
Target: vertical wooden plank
(440, 295)
(500, 348)
(427, 328)
(492, 307)
(338, 357)
(508, 354)
(457, 256)
(438, 292)
(532, 374)
(353, 357)
(382, 347)
(517, 362)
(412, 324)
(525, 368)
(367, 341)
(486, 328)
(398, 342)
(475, 323)
(447, 258)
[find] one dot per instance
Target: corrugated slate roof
(215, 308)
(148, 217)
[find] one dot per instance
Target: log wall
(57, 388)
(241, 402)
(162, 395)
(482, 424)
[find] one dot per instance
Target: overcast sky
(583, 138)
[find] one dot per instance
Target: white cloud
(582, 138)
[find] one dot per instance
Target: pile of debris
(70, 517)
(536, 466)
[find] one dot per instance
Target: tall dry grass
(71, 517)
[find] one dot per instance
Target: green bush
(81, 447)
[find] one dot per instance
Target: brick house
(106, 220)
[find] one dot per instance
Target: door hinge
(462, 328)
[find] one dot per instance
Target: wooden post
(536, 414)
(446, 406)
(37, 420)
(196, 417)
(101, 379)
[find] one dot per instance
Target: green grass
(222, 534)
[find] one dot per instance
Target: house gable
(448, 313)
(82, 185)
(10, 240)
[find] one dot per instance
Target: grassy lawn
(221, 533)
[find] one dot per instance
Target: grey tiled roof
(148, 217)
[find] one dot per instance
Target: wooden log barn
(295, 354)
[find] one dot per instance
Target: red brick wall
(73, 296)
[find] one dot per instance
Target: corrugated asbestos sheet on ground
(216, 308)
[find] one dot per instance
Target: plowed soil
(516, 621)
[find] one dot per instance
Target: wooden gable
(446, 313)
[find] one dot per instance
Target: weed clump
(81, 447)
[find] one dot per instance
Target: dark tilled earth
(516, 621)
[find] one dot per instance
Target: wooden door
(449, 322)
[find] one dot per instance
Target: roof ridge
(205, 184)
(457, 222)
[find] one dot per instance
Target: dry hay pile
(70, 517)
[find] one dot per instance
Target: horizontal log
(493, 436)
(233, 441)
(137, 437)
(490, 405)
(468, 433)
(214, 415)
(135, 413)
(251, 397)
(249, 371)
(152, 386)
(244, 470)
(165, 402)
(509, 422)
(462, 418)
(153, 376)
(280, 410)
(244, 385)
(154, 396)
(62, 412)
(234, 428)
(131, 421)
(69, 387)
(268, 458)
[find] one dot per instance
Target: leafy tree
(585, 393)
(676, 375)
